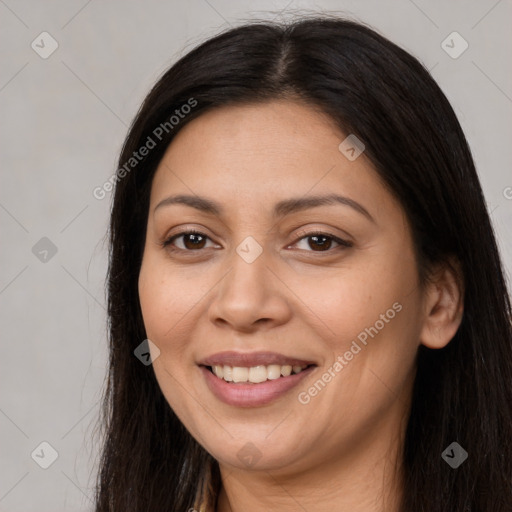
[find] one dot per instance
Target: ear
(444, 306)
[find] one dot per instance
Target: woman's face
(275, 281)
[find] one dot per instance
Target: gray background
(63, 122)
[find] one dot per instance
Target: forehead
(263, 153)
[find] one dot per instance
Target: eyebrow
(282, 208)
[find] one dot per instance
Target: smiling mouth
(255, 374)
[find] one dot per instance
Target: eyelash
(343, 244)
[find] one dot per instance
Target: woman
(301, 247)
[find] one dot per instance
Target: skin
(340, 450)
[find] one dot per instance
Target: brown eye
(322, 242)
(191, 240)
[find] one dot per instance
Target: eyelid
(322, 232)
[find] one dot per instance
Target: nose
(250, 296)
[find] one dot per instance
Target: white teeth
(286, 370)
(273, 371)
(257, 374)
(227, 373)
(254, 374)
(240, 374)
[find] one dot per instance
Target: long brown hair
(375, 90)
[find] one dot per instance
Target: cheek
(352, 299)
(371, 355)
(167, 308)
(166, 298)
(371, 317)
(379, 327)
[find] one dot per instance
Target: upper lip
(249, 359)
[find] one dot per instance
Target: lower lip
(252, 395)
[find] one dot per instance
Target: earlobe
(444, 306)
